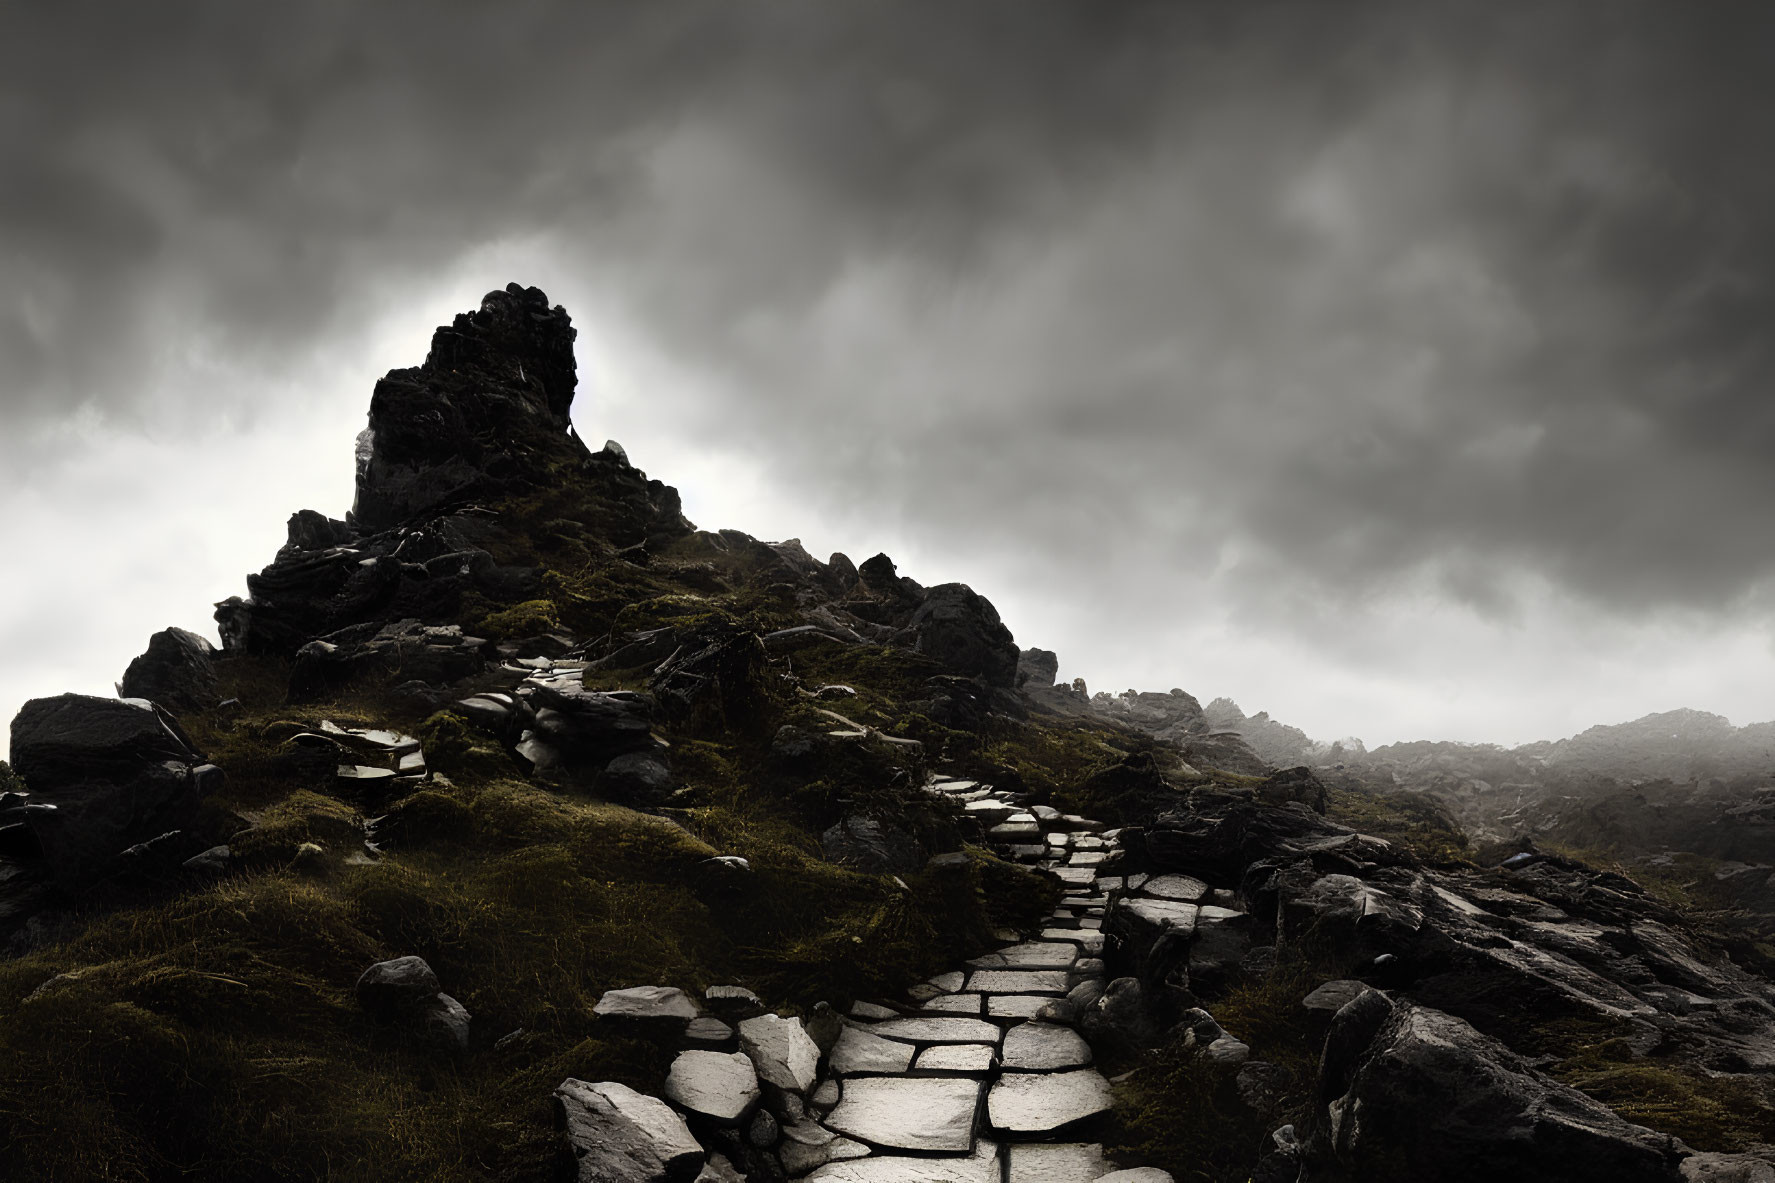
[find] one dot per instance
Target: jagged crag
(342, 899)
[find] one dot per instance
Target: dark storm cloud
(1336, 291)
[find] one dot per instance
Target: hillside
(515, 802)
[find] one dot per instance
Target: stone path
(969, 1079)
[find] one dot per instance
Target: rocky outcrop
(103, 777)
(485, 415)
(1407, 1092)
(177, 671)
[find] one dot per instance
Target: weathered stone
(621, 1136)
(871, 846)
(1186, 888)
(858, 1052)
(1044, 1047)
(781, 1050)
(938, 1030)
(733, 1003)
(982, 1166)
(443, 1023)
(1027, 1103)
(1055, 1162)
(101, 776)
(1137, 1175)
(930, 1114)
(976, 1058)
(1018, 981)
(706, 1031)
(721, 1086)
(763, 1130)
(402, 986)
(666, 1007)
(177, 670)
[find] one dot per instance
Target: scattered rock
(781, 1050)
(721, 1086)
(176, 671)
(621, 1136)
(399, 987)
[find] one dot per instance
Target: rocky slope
(521, 830)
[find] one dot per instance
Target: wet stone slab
(1035, 1103)
(1044, 1047)
(858, 1052)
(1187, 888)
(956, 1057)
(1059, 1162)
(941, 1029)
(1030, 955)
(1015, 1006)
(982, 1166)
(959, 1004)
(927, 1114)
(1018, 981)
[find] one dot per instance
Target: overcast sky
(1402, 369)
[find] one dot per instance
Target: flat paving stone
(1034, 1103)
(808, 1144)
(1160, 913)
(929, 1114)
(1136, 882)
(948, 983)
(956, 1004)
(1138, 1175)
(955, 1057)
(1077, 876)
(1044, 1047)
(1087, 858)
(1008, 830)
(1018, 981)
(872, 1010)
(1030, 955)
(982, 1166)
(1015, 1006)
(858, 1052)
(1216, 913)
(1056, 1162)
(1187, 888)
(937, 1030)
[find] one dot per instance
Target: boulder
(621, 1136)
(402, 986)
(719, 1086)
(865, 844)
(651, 1010)
(177, 671)
(1409, 1093)
(102, 775)
(960, 628)
(1037, 668)
(781, 1049)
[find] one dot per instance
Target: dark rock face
(496, 385)
(1037, 668)
(483, 420)
(432, 654)
(175, 671)
(961, 629)
(865, 844)
(1410, 1093)
(103, 775)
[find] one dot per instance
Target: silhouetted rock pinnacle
(488, 408)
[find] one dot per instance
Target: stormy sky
(1402, 369)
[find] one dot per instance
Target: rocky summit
(519, 829)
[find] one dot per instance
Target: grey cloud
(1332, 293)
